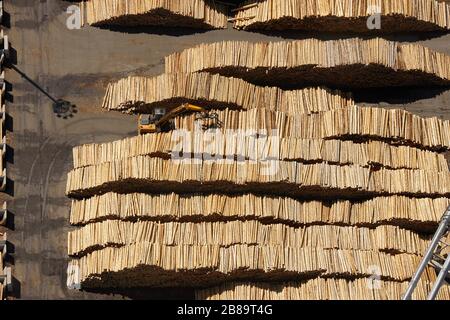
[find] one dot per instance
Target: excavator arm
(176, 112)
(148, 125)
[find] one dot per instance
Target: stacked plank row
(310, 15)
(393, 125)
(355, 63)
(247, 176)
(318, 289)
(344, 15)
(149, 264)
(169, 13)
(115, 233)
(141, 94)
(235, 145)
(410, 213)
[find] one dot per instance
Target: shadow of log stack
(300, 195)
(343, 15)
(201, 14)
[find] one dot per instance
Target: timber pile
(156, 174)
(346, 64)
(147, 264)
(394, 126)
(420, 214)
(202, 14)
(143, 94)
(115, 233)
(334, 190)
(319, 289)
(232, 145)
(344, 15)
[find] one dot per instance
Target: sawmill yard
(78, 65)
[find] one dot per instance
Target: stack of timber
(241, 145)
(297, 195)
(355, 123)
(116, 233)
(149, 264)
(142, 94)
(417, 214)
(319, 289)
(201, 14)
(344, 15)
(292, 178)
(346, 64)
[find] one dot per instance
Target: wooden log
(202, 14)
(318, 289)
(344, 15)
(355, 63)
(421, 215)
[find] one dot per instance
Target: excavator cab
(148, 122)
(161, 119)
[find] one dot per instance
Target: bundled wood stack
(149, 264)
(418, 214)
(319, 289)
(298, 195)
(203, 14)
(115, 233)
(234, 145)
(296, 179)
(347, 64)
(392, 125)
(344, 15)
(141, 95)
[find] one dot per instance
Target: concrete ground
(76, 65)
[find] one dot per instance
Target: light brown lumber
(396, 15)
(419, 214)
(291, 178)
(143, 94)
(116, 233)
(152, 265)
(202, 14)
(355, 63)
(351, 123)
(229, 144)
(319, 289)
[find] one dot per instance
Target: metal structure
(434, 257)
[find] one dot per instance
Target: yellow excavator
(160, 120)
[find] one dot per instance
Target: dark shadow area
(9, 123)
(36, 85)
(12, 58)
(145, 293)
(16, 288)
(6, 20)
(163, 31)
(8, 92)
(325, 36)
(10, 248)
(10, 221)
(62, 108)
(9, 187)
(397, 95)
